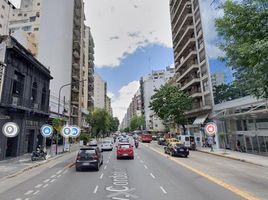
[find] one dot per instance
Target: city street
(149, 176)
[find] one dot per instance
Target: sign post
(211, 129)
(10, 129)
(46, 131)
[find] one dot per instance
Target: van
(189, 141)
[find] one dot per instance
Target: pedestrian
(238, 145)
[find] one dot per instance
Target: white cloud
(110, 94)
(121, 101)
(120, 27)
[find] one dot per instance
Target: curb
(230, 157)
(33, 166)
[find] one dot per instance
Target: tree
(126, 130)
(57, 124)
(114, 123)
(170, 104)
(99, 121)
(227, 92)
(244, 39)
(136, 123)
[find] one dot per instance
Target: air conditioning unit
(36, 106)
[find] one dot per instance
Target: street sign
(10, 129)
(211, 128)
(66, 131)
(46, 130)
(75, 131)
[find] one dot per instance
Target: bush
(85, 137)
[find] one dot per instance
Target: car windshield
(87, 151)
(179, 145)
(124, 146)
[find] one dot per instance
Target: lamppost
(65, 85)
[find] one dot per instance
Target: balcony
(76, 66)
(188, 47)
(177, 33)
(77, 22)
(91, 79)
(186, 10)
(177, 8)
(77, 12)
(90, 71)
(191, 56)
(76, 54)
(184, 72)
(75, 89)
(190, 82)
(188, 33)
(75, 77)
(76, 45)
(74, 101)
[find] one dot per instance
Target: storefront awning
(200, 119)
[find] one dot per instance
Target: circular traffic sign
(10, 129)
(211, 128)
(46, 130)
(75, 131)
(66, 131)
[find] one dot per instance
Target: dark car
(89, 157)
(176, 149)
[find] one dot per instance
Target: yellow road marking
(219, 182)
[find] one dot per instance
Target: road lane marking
(108, 161)
(96, 189)
(28, 192)
(101, 176)
(234, 189)
(27, 199)
(38, 186)
(53, 180)
(58, 172)
(59, 176)
(47, 180)
(152, 176)
(36, 192)
(65, 172)
(45, 185)
(105, 166)
(18, 199)
(145, 167)
(52, 176)
(163, 190)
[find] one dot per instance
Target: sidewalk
(18, 165)
(244, 157)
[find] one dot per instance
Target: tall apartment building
(24, 24)
(6, 9)
(100, 91)
(149, 84)
(108, 106)
(60, 40)
(192, 68)
(218, 78)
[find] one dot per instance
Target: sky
(133, 37)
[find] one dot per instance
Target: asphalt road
(149, 176)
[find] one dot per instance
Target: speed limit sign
(211, 128)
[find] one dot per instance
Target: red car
(146, 137)
(125, 150)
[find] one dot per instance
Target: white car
(107, 145)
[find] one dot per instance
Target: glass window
(124, 146)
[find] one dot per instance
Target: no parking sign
(211, 129)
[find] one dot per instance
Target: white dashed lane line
(53, 180)
(28, 192)
(59, 176)
(101, 176)
(45, 185)
(36, 192)
(145, 167)
(105, 166)
(163, 190)
(152, 176)
(47, 180)
(59, 172)
(53, 176)
(108, 161)
(38, 186)
(96, 189)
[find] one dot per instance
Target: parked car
(125, 150)
(93, 143)
(107, 145)
(176, 149)
(89, 157)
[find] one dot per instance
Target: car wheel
(186, 156)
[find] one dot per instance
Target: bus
(145, 137)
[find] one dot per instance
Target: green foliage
(127, 130)
(136, 123)
(101, 122)
(57, 124)
(227, 92)
(170, 104)
(244, 32)
(85, 137)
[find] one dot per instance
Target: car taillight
(78, 157)
(94, 157)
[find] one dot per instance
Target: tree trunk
(184, 129)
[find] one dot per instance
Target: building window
(0, 25)
(2, 16)
(37, 14)
(27, 28)
(18, 84)
(36, 29)
(32, 19)
(3, 7)
(19, 14)
(44, 95)
(25, 15)
(34, 92)
(38, 4)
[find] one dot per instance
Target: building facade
(191, 62)
(108, 106)
(6, 9)
(24, 97)
(149, 84)
(100, 91)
